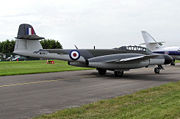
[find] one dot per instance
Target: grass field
(156, 103)
(38, 66)
(177, 61)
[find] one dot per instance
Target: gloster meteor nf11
(117, 59)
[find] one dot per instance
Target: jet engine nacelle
(160, 60)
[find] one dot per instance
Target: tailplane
(27, 40)
(150, 42)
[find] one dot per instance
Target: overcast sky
(85, 23)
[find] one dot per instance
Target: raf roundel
(74, 55)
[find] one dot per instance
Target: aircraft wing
(138, 58)
(130, 59)
(121, 58)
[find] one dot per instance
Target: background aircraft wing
(160, 43)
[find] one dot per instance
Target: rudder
(27, 40)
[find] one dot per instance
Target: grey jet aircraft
(118, 59)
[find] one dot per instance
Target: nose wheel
(173, 62)
(158, 69)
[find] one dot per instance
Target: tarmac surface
(27, 96)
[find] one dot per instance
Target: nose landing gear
(158, 69)
(173, 62)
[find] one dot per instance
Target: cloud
(104, 23)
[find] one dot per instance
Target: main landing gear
(158, 69)
(101, 71)
(118, 73)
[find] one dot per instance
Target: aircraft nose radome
(168, 59)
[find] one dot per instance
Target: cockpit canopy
(135, 48)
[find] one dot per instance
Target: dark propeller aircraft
(118, 59)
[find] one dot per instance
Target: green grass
(38, 66)
(155, 103)
(177, 61)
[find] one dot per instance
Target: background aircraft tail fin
(27, 40)
(150, 42)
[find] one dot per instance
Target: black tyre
(156, 70)
(101, 71)
(118, 73)
(173, 62)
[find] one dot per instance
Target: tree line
(8, 45)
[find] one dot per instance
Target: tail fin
(27, 40)
(27, 32)
(150, 42)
